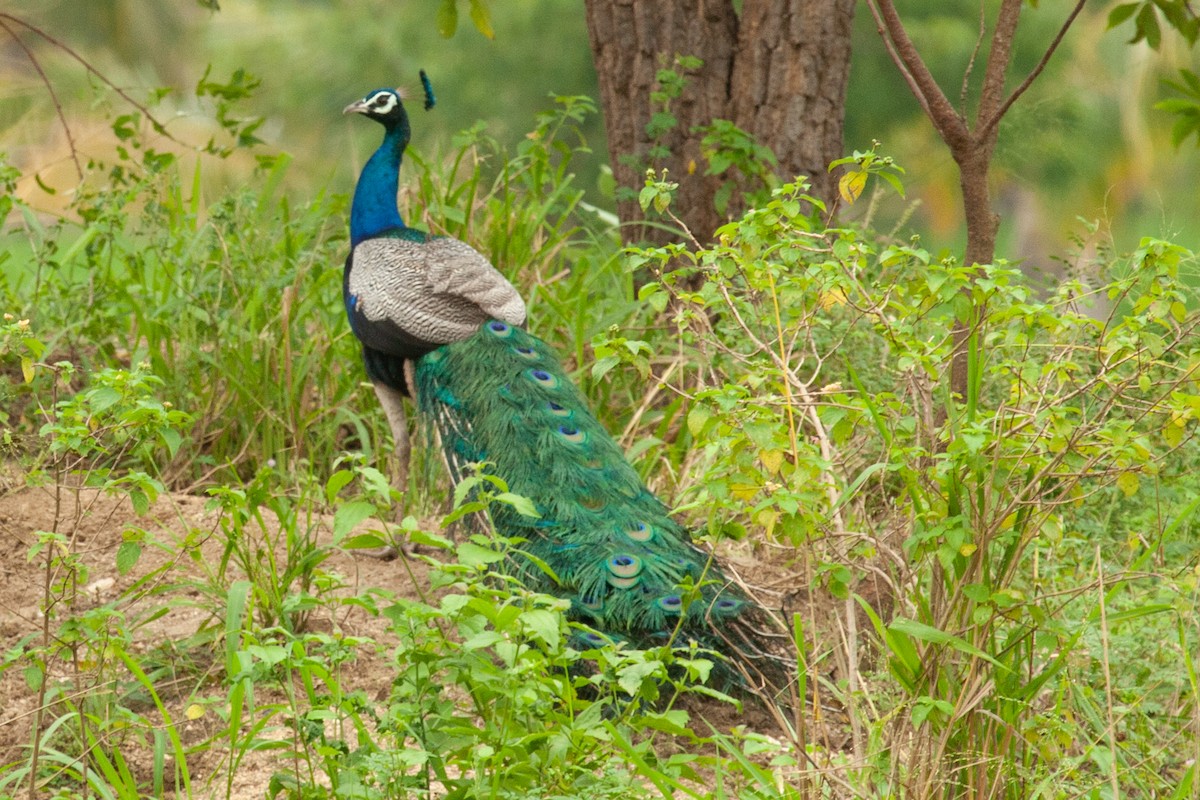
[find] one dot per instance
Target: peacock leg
(392, 402)
(393, 408)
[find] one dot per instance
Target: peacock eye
(624, 565)
(571, 434)
(672, 603)
(543, 378)
(382, 103)
(640, 532)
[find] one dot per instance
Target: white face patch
(382, 103)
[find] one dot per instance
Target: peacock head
(381, 105)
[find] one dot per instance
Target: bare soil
(164, 600)
(98, 525)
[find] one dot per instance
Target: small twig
(966, 81)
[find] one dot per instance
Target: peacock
(438, 321)
(406, 292)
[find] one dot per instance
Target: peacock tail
(502, 397)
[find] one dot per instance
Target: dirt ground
(99, 524)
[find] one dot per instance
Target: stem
(1114, 783)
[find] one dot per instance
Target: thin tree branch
(158, 126)
(899, 62)
(949, 124)
(991, 122)
(62, 118)
(999, 57)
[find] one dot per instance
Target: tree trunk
(982, 225)
(778, 71)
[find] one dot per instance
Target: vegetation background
(1002, 607)
(1087, 143)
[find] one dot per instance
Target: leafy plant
(810, 361)
(79, 664)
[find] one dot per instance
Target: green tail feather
(502, 396)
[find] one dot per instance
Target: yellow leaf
(194, 711)
(771, 460)
(767, 518)
(743, 491)
(1128, 483)
(851, 184)
(834, 297)
(1173, 434)
(968, 548)
(27, 368)
(482, 18)
(692, 167)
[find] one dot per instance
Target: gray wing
(455, 268)
(438, 291)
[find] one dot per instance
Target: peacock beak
(357, 107)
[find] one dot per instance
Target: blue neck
(374, 208)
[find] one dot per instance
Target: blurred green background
(1085, 145)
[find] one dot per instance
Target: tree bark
(778, 71)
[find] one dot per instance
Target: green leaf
(364, 541)
(697, 419)
(417, 536)
(602, 366)
(482, 640)
(337, 481)
(1147, 27)
(348, 516)
(1121, 13)
(928, 633)
(522, 505)
(235, 616)
(127, 556)
(631, 678)
(473, 555)
(172, 439)
(646, 196)
(447, 18)
(34, 677)
(103, 398)
(544, 625)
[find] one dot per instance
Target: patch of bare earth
(172, 576)
(170, 601)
